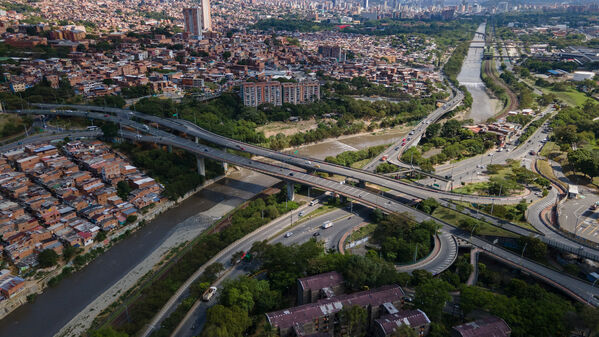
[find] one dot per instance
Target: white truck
(327, 224)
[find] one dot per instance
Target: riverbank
(131, 258)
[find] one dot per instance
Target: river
(483, 107)
(58, 305)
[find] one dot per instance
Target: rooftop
(486, 327)
(305, 313)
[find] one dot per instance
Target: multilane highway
(309, 164)
(579, 289)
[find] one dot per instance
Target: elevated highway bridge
(580, 290)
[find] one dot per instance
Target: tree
(533, 247)
(225, 322)
(404, 330)
(107, 332)
(566, 134)
(110, 130)
(123, 189)
(213, 270)
(431, 297)
(69, 252)
(101, 236)
(470, 225)
(226, 55)
(47, 258)
(451, 128)
(584, 161)
(428, 205)
(355, 319)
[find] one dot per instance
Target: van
(327, 224)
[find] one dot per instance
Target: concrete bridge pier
(361, 184)
(197, 140)
(170, 149)
(225, 167)
(201, 165)
(290, 190)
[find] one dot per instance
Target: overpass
(579, 290)
(124, 117)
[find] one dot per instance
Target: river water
(483, 107)
(57, 306)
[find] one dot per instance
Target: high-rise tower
(206, 16)
(193, 22)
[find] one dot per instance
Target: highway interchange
(581, 290)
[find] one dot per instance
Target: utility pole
(416, 252)
(473, 228)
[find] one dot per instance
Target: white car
(288, 234)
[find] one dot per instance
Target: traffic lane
(160, 136)
(306, 230)
(194, 324)
(534, 143)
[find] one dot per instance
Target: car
(208, 294)
(403, 140)
(316, 234)
(288, 234)
(205, 150)
(106, 115)
(300, 213)
(308, 162)
(397, 148)
(291, 174)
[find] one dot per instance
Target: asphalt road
(579, 288)
(306, 163)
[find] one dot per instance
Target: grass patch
(551, 150)
(362, 232)
(571, 97)
(474, 188)
(545, 169)
(361, 163)
(453, 217)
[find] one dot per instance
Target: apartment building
(276, 93)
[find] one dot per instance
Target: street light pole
(473, 228)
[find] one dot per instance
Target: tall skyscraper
(365, 4)
(206, 16)
(193, 22)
